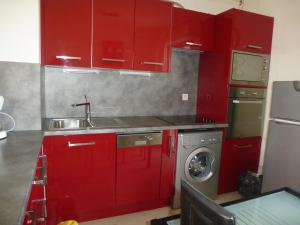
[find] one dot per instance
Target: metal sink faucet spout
(88, 114)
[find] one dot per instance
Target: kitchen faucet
(88, 114)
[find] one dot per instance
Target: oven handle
(246, 102)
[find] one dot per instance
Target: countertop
(19, 153)
(18, 157)
(141, 124)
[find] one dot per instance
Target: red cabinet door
(138, 174)
(168, 164)
(35, 207)
(66, 32)
(81, 176)
(113, 30)
(152, 44)
(251, 32)
(193, 30)
(238, 155)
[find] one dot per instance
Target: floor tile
(144, 217)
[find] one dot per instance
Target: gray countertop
(18, 157)
(141, 124)
(19, 152)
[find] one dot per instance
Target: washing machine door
(200, 165)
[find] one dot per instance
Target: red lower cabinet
(90, 178)
(138, 174)
(238, 155)
(81, 176)
(168, 165)
(36, 210)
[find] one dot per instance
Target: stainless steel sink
(81, 123)
(65, 124)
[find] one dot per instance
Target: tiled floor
(143, 218)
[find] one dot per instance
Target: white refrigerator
(282, 159)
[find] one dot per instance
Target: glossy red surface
(248, 28)
(138, 174)
(213, 88)
(193, 27)
(152, 41)
(67, 27)
(35, 197)
(113, 31)
(238, 155)
(81, 180)
(168, 166)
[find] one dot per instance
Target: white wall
(19, 31)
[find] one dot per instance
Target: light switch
(185, 97)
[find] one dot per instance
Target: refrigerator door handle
(283, 121)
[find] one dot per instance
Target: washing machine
(198, 161)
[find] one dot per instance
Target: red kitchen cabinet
(168, 164)
(81, 176)
(113, 31)
(250, 32)
(152, 40)
(193, 30)
(36, 205)
(138, 175)
(238, 155)
(66, 32)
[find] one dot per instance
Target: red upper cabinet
(153, 20)
(66, 32)
(113, 30)
(250, 32)
(192, 30)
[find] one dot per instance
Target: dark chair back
(197, 209)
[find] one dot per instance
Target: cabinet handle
(70, 145)
(44, 209)
(193, 44)
(33, 216)
(43, 168)
(254, 46)
(153, 63)
(243, 146)
(113, 60)
(65, 57)
(170, 146)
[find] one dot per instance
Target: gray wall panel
(20, 86)
(114, 94)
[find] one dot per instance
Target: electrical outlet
(185, 97)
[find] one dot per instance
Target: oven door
(245, 117)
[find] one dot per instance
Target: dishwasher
(138, 168)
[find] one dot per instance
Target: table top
(280, 207)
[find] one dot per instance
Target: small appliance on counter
(3, 133)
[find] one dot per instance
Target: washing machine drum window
(200, 165)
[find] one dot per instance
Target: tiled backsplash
(121, 93)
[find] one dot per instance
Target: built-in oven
(249, 69)
(245, 112)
